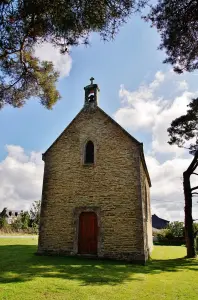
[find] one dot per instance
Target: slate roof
(159, 223)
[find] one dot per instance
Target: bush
(3, 222)
(196, 244)
(166, 237)
(176, 228)
(17, 224)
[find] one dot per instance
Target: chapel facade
(96, 190)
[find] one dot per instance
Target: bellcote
(91, 94)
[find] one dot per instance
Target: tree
(177, 229)
(195, 228)
(35, 212)
(3, 215)
(17, 224)
(185, 129)
(25, 219)
(177, 23)
(26, 23)
(22, 221)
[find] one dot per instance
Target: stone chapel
(96, 198)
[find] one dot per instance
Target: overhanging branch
(193, 165)
(194, 188)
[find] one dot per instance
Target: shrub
(166, 237)
(17, 224)
(3, 222)
(176, 228)
(196, 244)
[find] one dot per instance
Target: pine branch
(194, 188)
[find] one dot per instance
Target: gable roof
(159, 223)
(134, 140)
(120, 127)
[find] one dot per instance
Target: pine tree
(185, 130)
(26, 23)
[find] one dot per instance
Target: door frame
(76, 214)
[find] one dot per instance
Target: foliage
(195, 226)
(21, 222)
(35, 213)
(17, 224)
(164, 235)
(25, 222)
(172, 235)
(196, 244)
(3, 213)
(25, 219)
(3, 222)
(185, 128)
(176, 229)
(26, 23)
(177, 23)
(37, 277)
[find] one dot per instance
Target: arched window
(89, 153)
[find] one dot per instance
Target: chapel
(96, 190)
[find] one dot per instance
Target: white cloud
(167, 187)
(163, 120)
(145, 110)
(62, 62)
(21, 178)
(159, 78)
(182, 85)
(139, 107)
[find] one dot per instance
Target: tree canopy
(35, 212)
(177, 23)
(185, 128)
(26, 23)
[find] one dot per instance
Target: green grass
(26, 276)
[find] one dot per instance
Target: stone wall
(111, 186)
(147, 217)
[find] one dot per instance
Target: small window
(16, 214)
(10, 213)
(89, 153)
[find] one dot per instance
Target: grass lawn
(26, 276)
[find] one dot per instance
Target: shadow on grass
(18, 263)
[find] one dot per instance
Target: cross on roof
(91, 79)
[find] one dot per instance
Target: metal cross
(91, 79)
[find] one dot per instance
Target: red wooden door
(87, 233)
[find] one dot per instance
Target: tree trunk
(190, 244)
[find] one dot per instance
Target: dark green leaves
(185, 128)
(24, 23)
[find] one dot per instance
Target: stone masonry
(115, 187)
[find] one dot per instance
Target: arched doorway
(88, 233)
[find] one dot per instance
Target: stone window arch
(89, 153)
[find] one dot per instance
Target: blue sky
(128, 59)
(131, 60)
